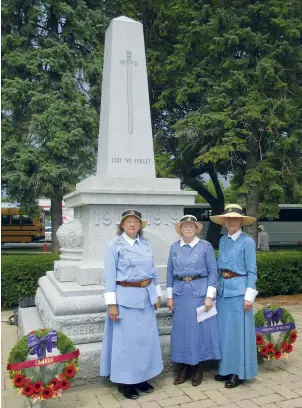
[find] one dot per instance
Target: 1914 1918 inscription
(131, 160)
(153, 217)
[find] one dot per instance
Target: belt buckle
(187, 278)
(144, 283)
(226, 275)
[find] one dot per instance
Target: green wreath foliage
(51, 372)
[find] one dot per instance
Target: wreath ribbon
(278, 328)
(35, 343)
(44, 361)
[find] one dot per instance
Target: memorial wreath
(47, 376)
(275, 332)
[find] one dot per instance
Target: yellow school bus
(19, 227)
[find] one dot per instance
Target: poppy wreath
(273, 319)
(45, 377)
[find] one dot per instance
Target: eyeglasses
(130, 222)
(189, 227)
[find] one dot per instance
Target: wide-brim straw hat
(188, 218)
(133, 213)
(261, 227)
(232, 211)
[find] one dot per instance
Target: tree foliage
(227, 76)
(51, 74)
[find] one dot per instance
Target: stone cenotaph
(70, 298)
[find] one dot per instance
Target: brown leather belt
(226, 274)
(140, 284)
(189, 278)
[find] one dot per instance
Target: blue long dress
(192, 342)
(236, 327)
(131, 350)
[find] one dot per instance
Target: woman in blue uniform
(236, 294)
(191, 283)
(131, 352)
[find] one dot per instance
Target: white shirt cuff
(110, 298)
(169, 293)
(158, 290)
(250, 294)
(211, 292)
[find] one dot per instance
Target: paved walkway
(280, 387)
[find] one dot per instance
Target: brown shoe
(197, 375)
(184, 375)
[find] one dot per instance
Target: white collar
(192, 243)
(235, 235)
(130, 241)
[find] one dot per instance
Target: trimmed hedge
(20, 275)
(279, 273)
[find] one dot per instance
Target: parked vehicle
(19, 227)
(283, 231)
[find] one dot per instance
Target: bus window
(26, 220)
(15, 219)
(290, 214)
(202, 214)
(5, 219)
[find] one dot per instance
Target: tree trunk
(56, 221)
(252, 200)
(217, 204)
(213, 233)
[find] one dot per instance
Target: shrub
(279, 273)
(20, 275)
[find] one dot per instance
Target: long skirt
(192, 342)
(131, 350)
(237, 338)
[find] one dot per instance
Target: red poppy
(265, 351)
(284, 345)
(270, 347)
(293, 337)
(277, 354)
(259, 338)
(289, 348)
(55, 384)
(37, 386)
(64, 384)
(28, 390)
(70, 371)
(47, 393)
(19, 380)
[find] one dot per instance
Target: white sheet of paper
(203, 315)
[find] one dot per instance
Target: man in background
(263, 239)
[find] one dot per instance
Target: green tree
(51, 73)
(227, 76)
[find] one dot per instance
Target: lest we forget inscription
(130, 160)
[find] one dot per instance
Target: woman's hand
(208, 303)
(247, 305)
(170, 304)
(113, 312)
(157, 304)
